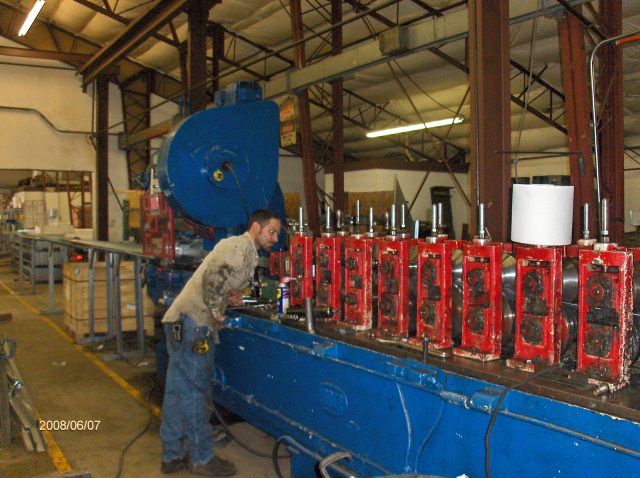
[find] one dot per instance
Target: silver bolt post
(327, 219)
(481, 233)
(585, 221)
(371, 221)
(604, 220)
(301, 219)
(434, 220)
(393, 220)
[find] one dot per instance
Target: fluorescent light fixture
(31, 17)
(415, 127)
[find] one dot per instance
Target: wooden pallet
(79, 328)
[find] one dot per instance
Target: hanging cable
(527, 91)
(496, 410)
(228, 166)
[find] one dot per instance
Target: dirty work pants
(187, 405)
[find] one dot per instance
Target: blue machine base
(400, 416)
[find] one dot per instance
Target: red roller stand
(329, 275)
(538, 331)
(158, 231)
(358, 282)
(279, 265)
(434, 307)
(301, 257)
(605, 302)
(481, 301)
(393, 287)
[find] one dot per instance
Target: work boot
(214, 467)
(168, 467)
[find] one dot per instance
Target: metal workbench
(113, 252)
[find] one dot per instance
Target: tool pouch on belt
(201, 340)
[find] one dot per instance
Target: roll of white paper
(542, 214)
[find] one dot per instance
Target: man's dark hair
(262, 217)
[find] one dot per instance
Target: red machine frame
(279, 264)
(481, 301)
(358, 281)
(538, 329)
(434, 300)
(329, 274)
(301, 263)
(393, 286)
(605, 304)
(158, 231)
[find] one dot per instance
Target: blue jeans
(188, 396)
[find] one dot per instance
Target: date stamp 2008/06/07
(68, 425)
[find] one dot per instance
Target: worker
(191, 327)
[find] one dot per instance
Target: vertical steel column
(337, 110)
(217, 36)
(610, 92)
(139, 304)
(184, 74)
(102, 156)
(118, 303)
(308, 163)
(197, 57)
(574, 78)
(110, 293)
(51, 250)
(92, 315)
(33, 266)
(490, 111)
(20, 264)
(136, 101)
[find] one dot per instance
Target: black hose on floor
(238, 441)
(137, 437)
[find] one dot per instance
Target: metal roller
(570, 281)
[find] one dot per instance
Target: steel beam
(43, 39)
(198, 12)
(308, 163)
(102, 156)
(125, 21)
(137, 31)
(71, 58)
(337, 111)
(395, 164)
(490, 129)
(610, 92)
(574, 78)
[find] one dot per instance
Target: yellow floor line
(57, 457)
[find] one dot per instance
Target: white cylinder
(542, 214)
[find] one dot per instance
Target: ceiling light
(415, 127)
(31, 17)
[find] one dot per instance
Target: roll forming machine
(415, 355)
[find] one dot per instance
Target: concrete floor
(67, 381)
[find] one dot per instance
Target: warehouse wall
(28, 140)
(291, 178)
(384, 180)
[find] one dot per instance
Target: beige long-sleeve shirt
(229, 266)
